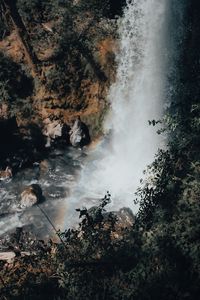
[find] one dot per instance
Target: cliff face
(58, 63)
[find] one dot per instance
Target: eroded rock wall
(62, 62)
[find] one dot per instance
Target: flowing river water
(75, 178)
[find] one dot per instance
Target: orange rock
(6, 174)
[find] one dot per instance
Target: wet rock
(30, 196)
(52, 130)
(79, 134)
(125, 217)
(4, 111)
(19, 240)
(44, 166)
(6, 174)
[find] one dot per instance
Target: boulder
(52, 130)
(124, 221)
(30, 196)
(79, 134)
(44, 166)
(4, 111)
(125, 217)
(6, 174)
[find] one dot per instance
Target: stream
(56, 176)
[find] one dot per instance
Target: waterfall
(137, 96)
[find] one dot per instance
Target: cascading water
(137, 96)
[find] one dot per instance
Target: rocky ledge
(55, 75)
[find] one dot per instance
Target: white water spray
(136, 97)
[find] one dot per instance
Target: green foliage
(105, 8)
(99, 8)
(57, 15)
(37, 11)
(63, 35)
(65, 77)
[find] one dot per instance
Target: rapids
(56, 176)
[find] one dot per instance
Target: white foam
(136, 97)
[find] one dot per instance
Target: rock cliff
(58, 61)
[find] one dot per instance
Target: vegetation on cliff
(57, 62)
(156, 257)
